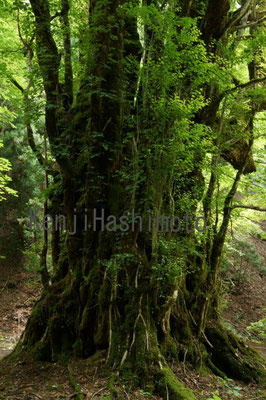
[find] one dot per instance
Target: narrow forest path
(18, 291)
(246, 302)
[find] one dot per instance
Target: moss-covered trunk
(147, 297)
(119, 307)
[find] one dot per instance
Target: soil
(18, 292)
(30, 380)
(246, 302)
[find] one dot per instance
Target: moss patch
(169, 386)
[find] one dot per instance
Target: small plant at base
(258, 328)
(214, 397)
(231, 389)
(146, 394)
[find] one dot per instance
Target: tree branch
(243, 86)
(15, 83)
(33, 146)
(68, 86)
(48, 58)
(237, 16)
(27, 46)
(30, 136)
(49, 63)
(250, 24)
(249, 207)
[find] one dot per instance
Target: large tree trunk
(113, 290)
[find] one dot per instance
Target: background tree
(4, 178)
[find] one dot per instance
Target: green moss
(112, 388)
(63, 358)
(105, 398)
(168, 383)
(216, 370)
(169, 348)
(37, 315)
(98, 356)
(75, 385)
(77, 348)
(104, 294)
(41, 351)
(233, 357)
(204, 370)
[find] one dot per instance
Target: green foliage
(258, 328)
(231, 388)
(167, 106)
(147, 395)
(172, 260)
(239, 254)
(214, 397)
(5, 166)
(117, 262)
(31, 254)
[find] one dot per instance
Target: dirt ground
(28, 380)
(18, 292)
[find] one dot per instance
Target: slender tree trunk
(43, 257)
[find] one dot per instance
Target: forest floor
(18, 291)
(244, 303)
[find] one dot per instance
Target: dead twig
(93, 379)
(37, 395)
(3, 288)
(95, 394)
(126, 393)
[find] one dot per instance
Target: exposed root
(78, 392)
(135, 325)
(169, 387)
(232, 357)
